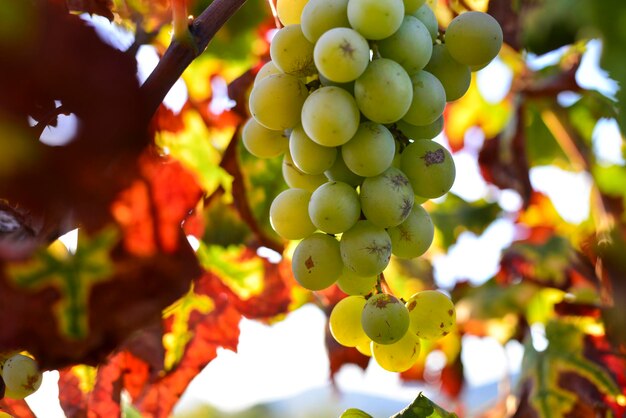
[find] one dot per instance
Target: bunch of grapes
(20, 374)
(352, 96)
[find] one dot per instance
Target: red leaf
(339, 355)
(17, 408)
(98, 7)
(73, 399)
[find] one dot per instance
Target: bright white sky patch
(608, 142)
(494, 81)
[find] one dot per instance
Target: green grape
(432, 314)
(426, 15)
(399, 356)
(21, 376)
(421, 132)
(316, 262)
(411, 6)
(352, 284)
(309, 156)
(387, 199)
(365, 248)
(375, 19)
(454, 76)
(341, 55)
(429, 99)
(334, 207)
(474, 38)
(429, 167)
(266, 70)
(276, 101)
(370, 151)
(319, 16)
(385, 319)
(411, 46)
(262, 142)
(412, 237)
(354, 413)
(330, 116)
(340, 172)
(345, 322)
(299, 180)
(291, 52)
(289, 11)
(384, 91)
(289, 214)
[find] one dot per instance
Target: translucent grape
(340, 172)
(330, 116)
(399, 356)
(334, 207)
(262, 142)
(365, 248)
(297, 179)
(375, 19)
(341, 55)
(276, 101)
(345, 322)
(309, 156)
(426, 15)
(387, 199)
(384, 91)
(370, 151)
(291, 52)
(421, 132)
(289, 11)
(266, 70)
(289, 214)
(411, 46)
(21, 376)
(365, 348)
(429, 99)
(454, 76)
(385, 319)
(414, 236)
(411, 6)
(318, 16)
(316, 261)
(429, 167)
(352, 284)
(474, 38)
(432, 314)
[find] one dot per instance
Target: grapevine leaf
(340, 355)
(422, 407)
(98, 7)
(17, 408)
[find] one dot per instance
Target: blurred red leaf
(17, 408)
(338, 355)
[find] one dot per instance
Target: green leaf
(541, 146)
(422, 407)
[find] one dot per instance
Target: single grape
(289, 214)
(421, 132)
(387, 199)
(21, 376)
(411, 6)
(316, 261)
(276, 101)
(370, 151)
(291, 52)
(454, 76)
(309, 156)
(429, 167)
(399, 356)
(384, 91)
(334, 207)
(266, 70)
(411, 46)
(345, 322)
(319, 16)
(385, 319)
(262, 142)
(365, 348)
(426, 15)
(352, 284)
(340, 172)
(365, 248)
(412, 237)
(299, 180)
(432, 314)
(341, 55)
(429, 99)
(375, 19)
(330, 116)
(289, 11)
(474, 38)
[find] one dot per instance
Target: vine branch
(179, 54)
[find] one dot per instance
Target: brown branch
(179, 55)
